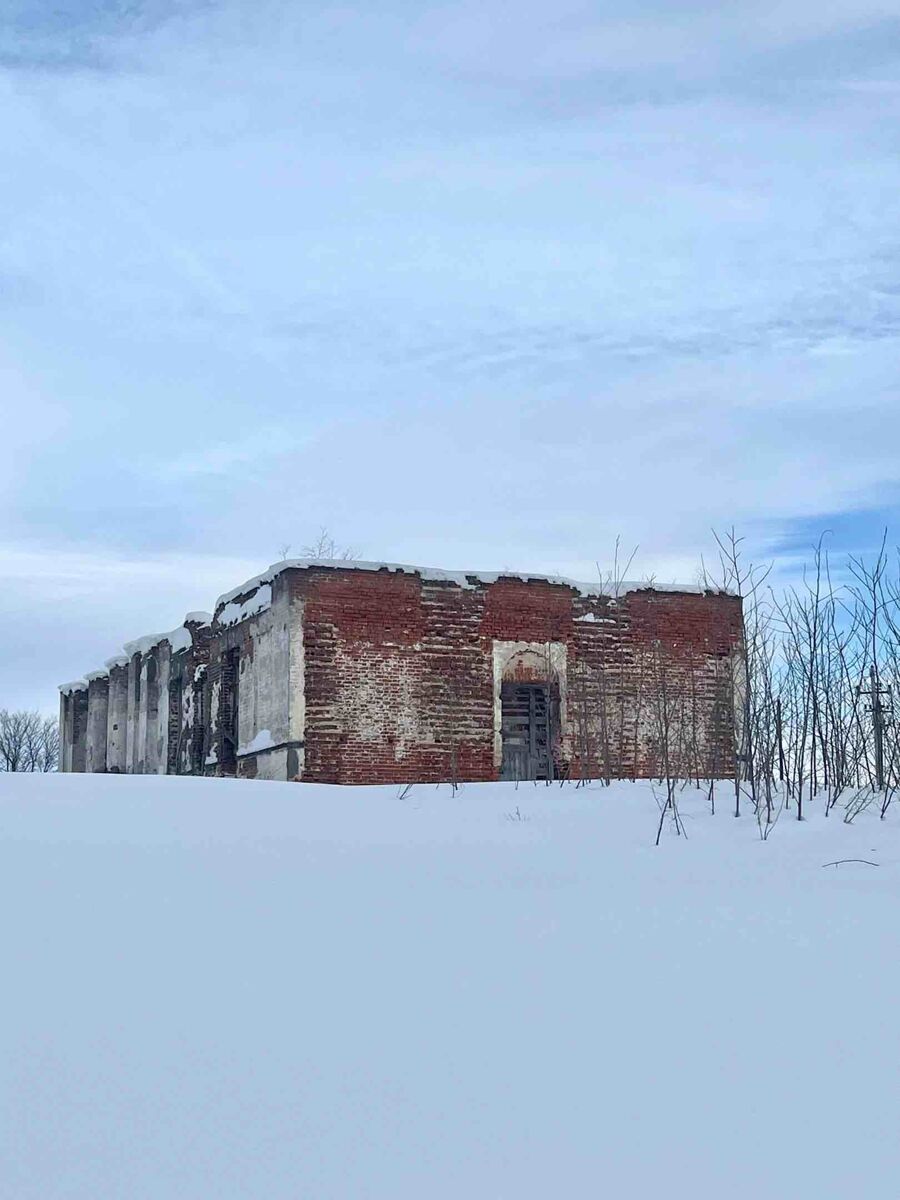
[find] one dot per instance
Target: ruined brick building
(349, 672)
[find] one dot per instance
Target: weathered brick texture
(358, 674)
(400, 678)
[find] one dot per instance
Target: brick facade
(355, 673)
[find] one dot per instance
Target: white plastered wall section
(73, 749)
(131, 716)
(117, 720)
(98, 710)
(147, 714)
(270, 688)
(65, 733)
(155, 709)
(140, 736)
(544, 660)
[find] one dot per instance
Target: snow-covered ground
(220, 989)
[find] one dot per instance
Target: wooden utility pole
(879, 711)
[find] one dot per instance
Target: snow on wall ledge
(463, 579)
(77, 685)
(233, 613)
(258, 597)
(179, 639)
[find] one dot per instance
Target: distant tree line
(28, 741)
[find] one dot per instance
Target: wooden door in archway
(526, 725)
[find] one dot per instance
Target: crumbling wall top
(462, 579)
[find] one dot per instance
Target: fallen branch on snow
(849, 860)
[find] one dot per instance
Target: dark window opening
(176, 725)
(231, 670)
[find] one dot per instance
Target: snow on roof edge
(142, 644)
(178, 638)
(463, 579)
(232, 613)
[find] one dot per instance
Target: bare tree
(325, 547)
(618, 690)
(589, 705)
(744, 579)
(46, 758)
(806, 702)
(28, 741)
(670, 736)
(612, 580)
(823, 666)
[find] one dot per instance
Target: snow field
(236, 989)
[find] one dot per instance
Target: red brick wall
(399, 675)
(653, 656)
(397, 683)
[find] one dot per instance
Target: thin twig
(851, 860)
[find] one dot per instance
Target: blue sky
(473, 284)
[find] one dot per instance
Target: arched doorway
(529, 716)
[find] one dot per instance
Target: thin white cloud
(75, 574)
(221, 457)
(876, 87)
(572, 38)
